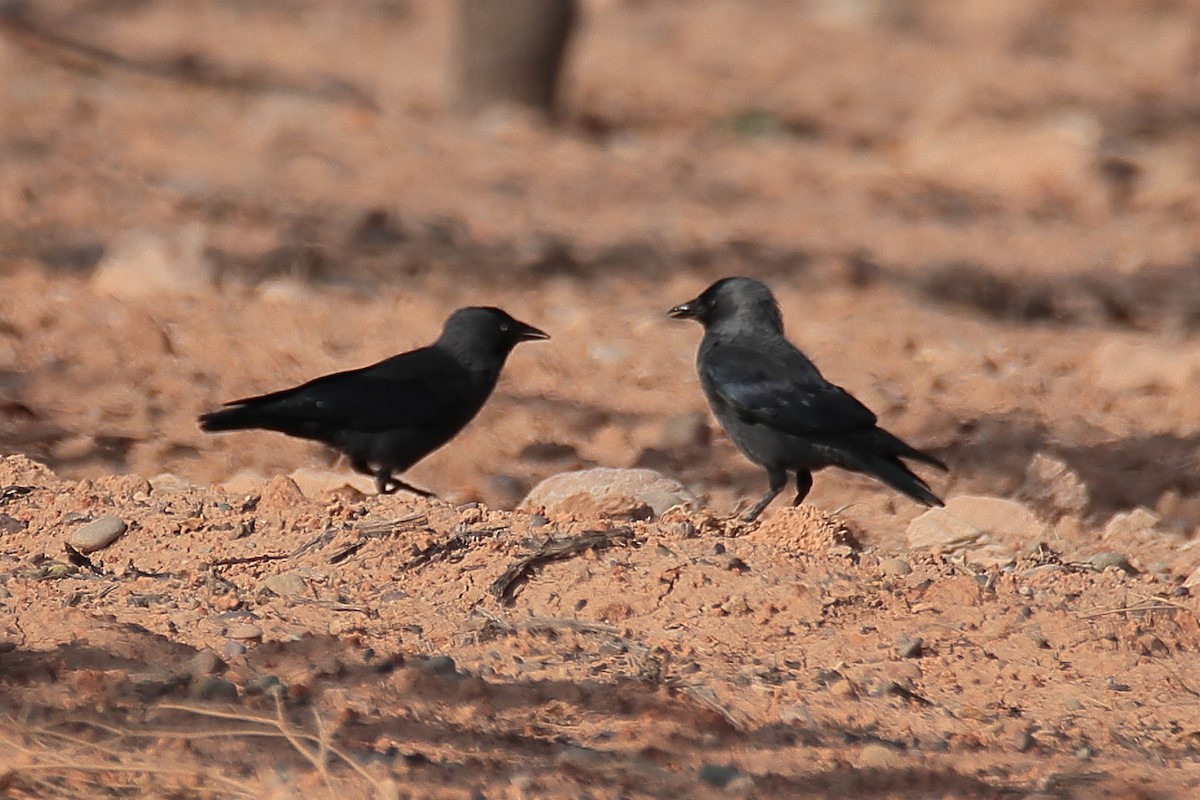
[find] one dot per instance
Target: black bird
(390, 415)
(778, 408)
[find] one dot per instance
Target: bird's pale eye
(504, 327)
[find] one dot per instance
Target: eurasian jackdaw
(778, 408)
(390, 415)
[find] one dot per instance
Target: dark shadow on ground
(1120, 474)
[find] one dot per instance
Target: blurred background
(981, 217)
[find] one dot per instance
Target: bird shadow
(1120, 473)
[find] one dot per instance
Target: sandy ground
(982, 218)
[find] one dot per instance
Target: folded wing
(772, 395)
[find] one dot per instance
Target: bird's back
(420, 389)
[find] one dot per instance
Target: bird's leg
(778, 480)
(803, 485)
(386, 483)
(361, 467)
(408, 487)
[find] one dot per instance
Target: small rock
(470, 514)
(264, 684)
(878, 756)
(741, 786)
(1102, 561)
(285, 584)
(682, 431)
(443, 666)
(12, 524)
(1053, 487)
(282, 493)
(939, 531)
(168, 483)
(894, 566)
(608, 492)
(97, 534)
(244, 631)
(909, 646)
(233, 649)
(1025, 741)
(1072, 704)
(217, 690)
(719, 775)
(1128, 524)
(986, 530)
(206, 662)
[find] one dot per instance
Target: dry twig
(505, 587)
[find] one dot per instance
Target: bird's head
(486, 332)
(742, 301)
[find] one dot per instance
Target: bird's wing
(412, 390)
(796, 401)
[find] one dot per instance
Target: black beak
(528, 333)
(688, 310)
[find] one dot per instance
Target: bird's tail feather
(237, 418)
(894, 473)
(890, 445)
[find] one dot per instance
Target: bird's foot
(391, 485)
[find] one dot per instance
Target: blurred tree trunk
(511, 51)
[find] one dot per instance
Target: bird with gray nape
(778, 408)
(390, 415)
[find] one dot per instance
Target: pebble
(1025, 742)
(909, 646)
(1102, 561)
(264, 684)
(1053, 487)
(639, 494)
(97, 534)
(741, 786)
(719, 775)
(218, 690)
(894, 566)
(988, 531)
(233, 649)
(12, 524)
(440, 665)
(206, 662)
(244, 630)
(285, 584)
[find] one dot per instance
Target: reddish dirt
(981, 218)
